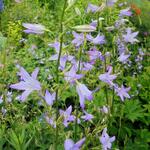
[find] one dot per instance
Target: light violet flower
(123, 58)
(87, 66)
(1, 99)
(92, 8)
(63, 59)
(78, 39)
(110, 3)
(49, 98)
(70, 145)
(34, 28)
(71, 75)
(107, 77)
(95, 22)
(55, 45)
(125, 12)
(9, 96)
(98, 40)
(1, 5)
(130, 36)
(67, 116)
(105, 109)
(51, 121)
(87, 117)
(94, 54)
(106, 140)
(28, 83)
(84, 93)
(122, 92)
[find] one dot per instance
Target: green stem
(76, 103)
(106, 91)
(57, 72)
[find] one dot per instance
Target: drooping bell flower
(84, 93)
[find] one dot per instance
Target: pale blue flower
(1, 99)
(122, 92)
(71, 76)
(110, 3)
(92, 8)
(105, 109)
(84, 93)
(78, 39)
(123, 57)
(28, 83)
(106, 140)
(70, 145)
(34, 28)
(51, 121)
(130, 37)
(67, 116)
(125, 12)
(108, 77)
(87, 116)
(49, 98)
(1, 5)
(98, 40)
(94, 54)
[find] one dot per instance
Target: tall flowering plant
(89, 55)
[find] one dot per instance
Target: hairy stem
(57, 71)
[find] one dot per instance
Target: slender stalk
(106, 90)
(76, 103)
(57, 71)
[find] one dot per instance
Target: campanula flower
(49, 98)
(1, 5)
(51, 121)
(108, 77)
(28, 83)
(94, 54)
(123, 57)
(87, 116)
(122, 92)
(106, 140)
(130, 36)
(34, 28)
(70, 145)
(92, 8)
(84, 93)
(63, 58)
(67, 116)
(71, 75)
(95, 22)
(1, 99)
(110, 3)
(87, 66)
(105, 109)
(98, 40)
(125, 12)
(78, 39)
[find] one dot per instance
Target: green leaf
(133, 110)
